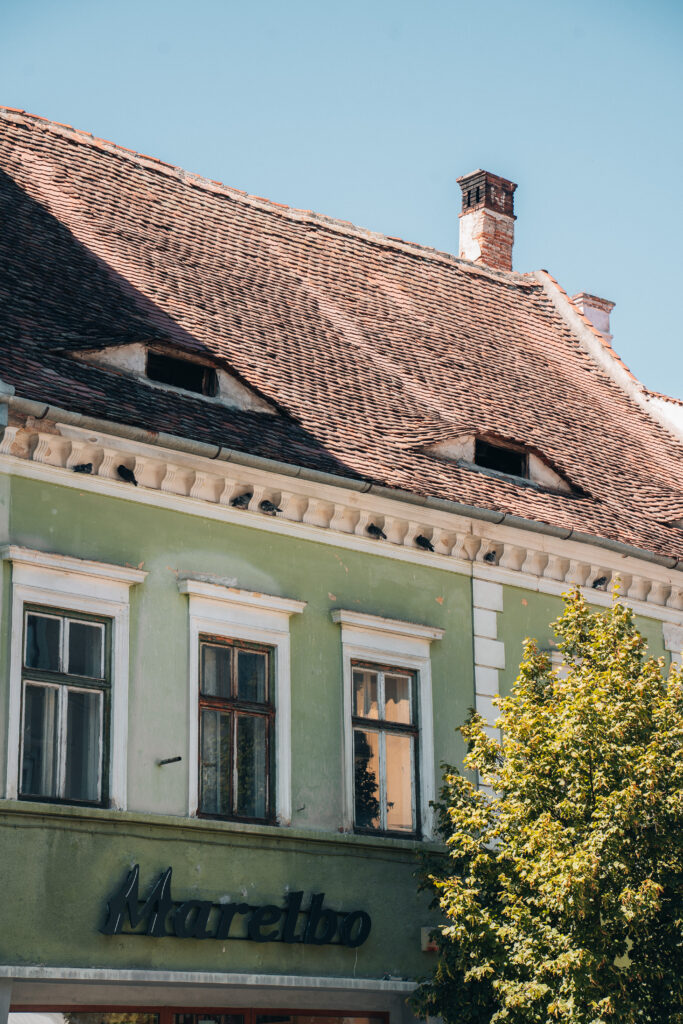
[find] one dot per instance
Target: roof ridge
(665, 398)
(609, 348)
(79, 135)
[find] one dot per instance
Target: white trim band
(394, 627)
(291, 981)
(244, 598)
(66, 563)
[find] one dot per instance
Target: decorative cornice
(64, 563)
(334, 515)
(375, 623)
(235, 596)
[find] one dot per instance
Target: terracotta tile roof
(664, 398)
(371, 348)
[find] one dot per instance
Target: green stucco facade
(530, 614)
(62, 863)
(71, 862)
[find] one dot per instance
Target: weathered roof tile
(371, 348)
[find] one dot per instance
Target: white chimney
(597, 310)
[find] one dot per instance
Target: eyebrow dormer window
(500, 459)
(182, 373)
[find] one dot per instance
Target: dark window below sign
(503, 460)
(236, 723)
(181, 373)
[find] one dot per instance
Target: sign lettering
(160, 915)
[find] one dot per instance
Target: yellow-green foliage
(563, 894)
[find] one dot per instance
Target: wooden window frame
(381, 725)
(377, 640)
(235, 706)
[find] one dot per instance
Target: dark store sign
(160, 915)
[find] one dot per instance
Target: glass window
(366, 775)
(365, 693)
(86, 649)
(87, 1017)
(65, 690)
(43, 642)
(397, 698)
(83, 726)
(236, 721)
(215, 676)
(385, 740)
(208, 1018)
(215, 761)
(40, 765)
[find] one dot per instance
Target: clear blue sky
(370, 110)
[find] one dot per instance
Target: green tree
(563, 892)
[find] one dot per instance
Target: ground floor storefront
(160, 921)
(44, 996)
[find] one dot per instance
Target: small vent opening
(502, 460)
(182, 373)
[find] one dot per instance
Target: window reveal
(182, 373)
(65, 707)
(385, 740)
(236, 727)
(511, 461)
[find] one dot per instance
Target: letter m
(126, 900)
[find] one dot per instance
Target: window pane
(251, 766)
(365, 693)
(83, 718)
(399, 768)
(85, 1017)
(216, 670)
(206, 1018)
(251, 676)
(85, 649)
(40, 757)
(310, 1018)
(366, 778)
(42, 642)
(397, 698)
(214, 797)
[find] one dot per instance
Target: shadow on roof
(57, 296)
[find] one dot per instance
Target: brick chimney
(487, 221)
(597, 310)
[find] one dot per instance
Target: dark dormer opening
(501, 459)
(182, 373)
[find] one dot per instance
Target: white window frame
(372, 639)
(63, 689)
(72, 585)
(234, 614)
